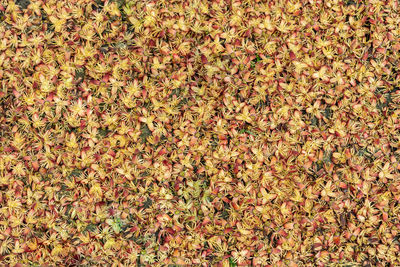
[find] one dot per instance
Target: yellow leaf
(17, 248)
(32, 245)
(57, 250)
(109, 244)
(297, 196)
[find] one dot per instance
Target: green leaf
(232, 262)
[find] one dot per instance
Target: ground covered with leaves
(201, 133)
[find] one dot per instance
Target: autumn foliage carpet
(199, 133)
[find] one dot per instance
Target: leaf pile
(200, 133)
